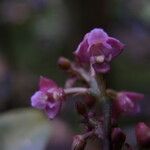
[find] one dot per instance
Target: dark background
(34, 33)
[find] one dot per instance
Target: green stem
(98, 89)
(107, 123)
(106, 108)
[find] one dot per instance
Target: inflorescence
(92, 61)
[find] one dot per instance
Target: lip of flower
(39, 100)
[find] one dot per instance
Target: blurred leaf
(25, 129)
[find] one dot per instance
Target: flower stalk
(76, 90)
(98, 89)
(106, 109)
(92, 61)
(106, 106)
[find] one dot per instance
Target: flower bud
(81, 108)
(126, 102)
(111, 93)
(143, 134)
(118, 138)
(79, 143)
(90, 101)
(64, 63)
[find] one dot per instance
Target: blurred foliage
(25, 129)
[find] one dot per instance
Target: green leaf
(25, 129)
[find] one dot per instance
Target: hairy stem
(106, 108)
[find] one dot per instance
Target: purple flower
(143, 134)
(49, 97)
(98, 49)
(126, 102)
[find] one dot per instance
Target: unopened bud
(126, 102)
(81, 108)
(118, 138)
(111, 93)
(64, 63)
(90, 101)
(143, 135)
(79, 143)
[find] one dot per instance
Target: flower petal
(97, 35)
(100, 49)
(81, 52)
(46, 83)
(101, 68)
(53, 109)
(96, 49)
(116, 45)
(39, 100)
(134, 95)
